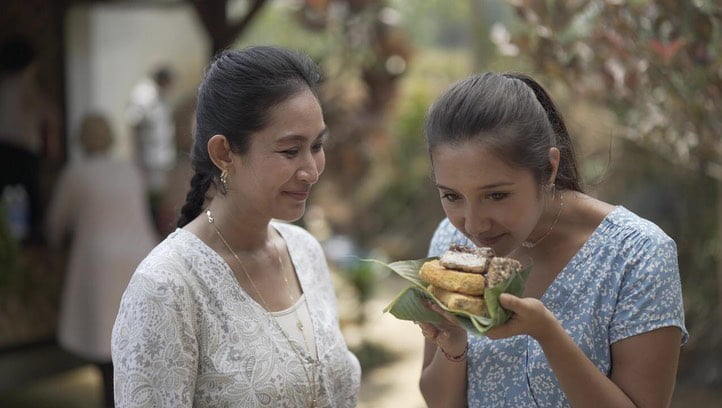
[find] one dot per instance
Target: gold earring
(224, 178)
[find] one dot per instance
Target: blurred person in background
(100, 203)
(28, 134)
(151, 121)
(180, 175)
(235, 308)
(601, 319)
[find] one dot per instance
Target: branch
(213, 16)
(235, 30)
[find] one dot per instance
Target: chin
(291, 215)
(501, 248)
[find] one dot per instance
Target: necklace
(310, 377)
(527, 244)
(299, 324)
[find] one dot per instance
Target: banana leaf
(409, 304)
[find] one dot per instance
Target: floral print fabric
(624, 281)
(187, 334)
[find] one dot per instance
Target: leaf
(408, 270)
(409, 304)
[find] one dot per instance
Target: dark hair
(514, 115)
(162, 75)
(235, 98)
(16, 53)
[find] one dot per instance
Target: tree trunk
(214, 16)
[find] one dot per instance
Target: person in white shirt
(235, 308)
(100, 202)
(151, 119)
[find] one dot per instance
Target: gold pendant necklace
(310, 377)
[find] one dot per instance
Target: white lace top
(188, 335)
(288, 320)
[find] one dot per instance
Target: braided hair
(238, 91)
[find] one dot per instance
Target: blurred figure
(179, 176)
(101, 202)
(151, 121)
(28, 128)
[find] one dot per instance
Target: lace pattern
(188, 335)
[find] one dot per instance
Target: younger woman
(600, 321)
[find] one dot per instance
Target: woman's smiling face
(492, 203)
(284, 161)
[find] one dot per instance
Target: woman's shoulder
(169, 260)
(636, 229)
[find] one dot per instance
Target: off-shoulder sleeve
(650, 296)
(154, 348)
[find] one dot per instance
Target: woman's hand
(529, 316)
(448, 334)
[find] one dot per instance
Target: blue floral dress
(624, 281)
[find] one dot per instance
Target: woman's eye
(290, 152)
(498, 196)
(451, 197)
(316, 147)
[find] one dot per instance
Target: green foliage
(363, 277)
(656, 63)
(373, 355)
(436, 23)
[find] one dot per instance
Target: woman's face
(284, 160)
(492, 203)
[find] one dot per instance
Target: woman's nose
(477, 222)
(309, 172)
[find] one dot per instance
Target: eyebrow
(486, 187)
(300, 138)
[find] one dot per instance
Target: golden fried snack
(458, 301)
(500, 269)
(467, 283)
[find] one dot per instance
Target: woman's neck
(242, 232)
(580, 217)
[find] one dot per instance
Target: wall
(110, 47)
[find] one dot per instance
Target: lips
(489, 240)
(298, 195)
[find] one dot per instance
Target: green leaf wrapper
(409, 304)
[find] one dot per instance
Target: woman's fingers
(450, 319)
(429, 330)
(509, 302)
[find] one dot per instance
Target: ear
(554, 158)
(219, 151)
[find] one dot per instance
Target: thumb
(509, 302)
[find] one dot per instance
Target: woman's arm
(154, 346)
(443, 381)
(643, 366)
